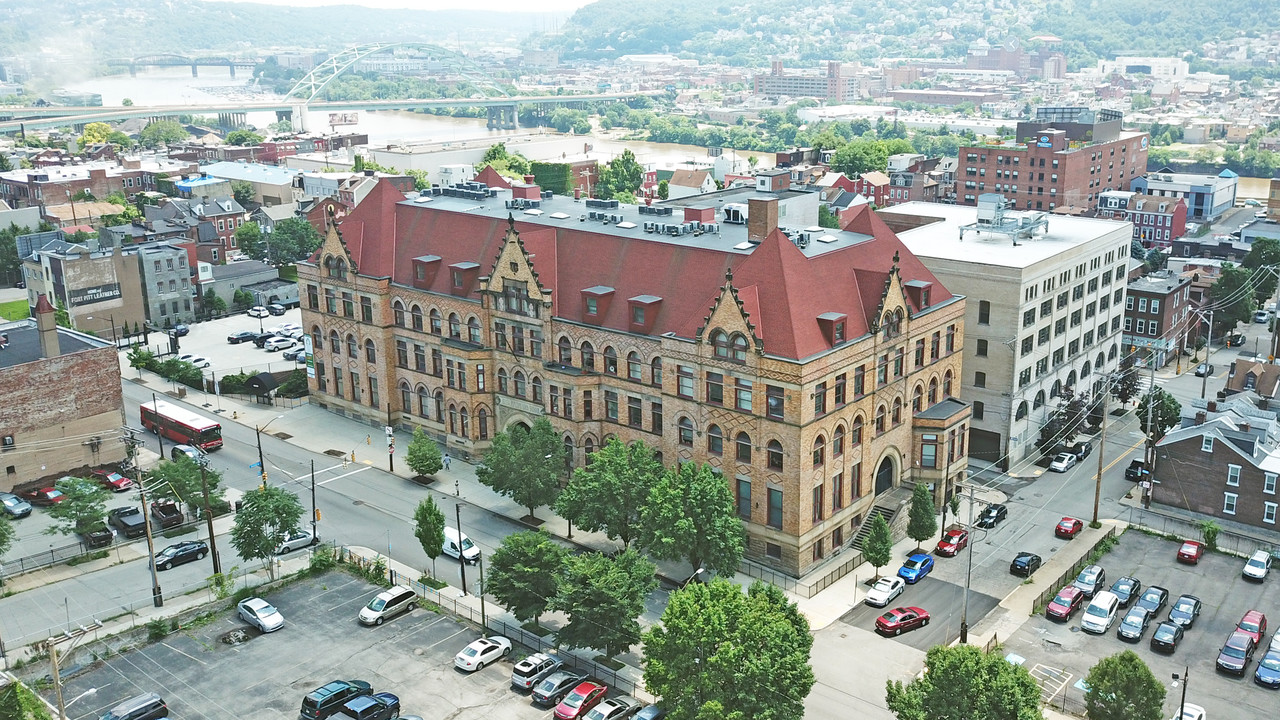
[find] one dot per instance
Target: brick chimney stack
(47, 325)
(762, 218)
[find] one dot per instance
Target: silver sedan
(260, 614)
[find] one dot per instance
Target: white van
(1101, 613)
(458, 544)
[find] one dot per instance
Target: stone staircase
(892, 507)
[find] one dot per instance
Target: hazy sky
(500, 5)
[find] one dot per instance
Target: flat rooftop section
(24, 343)
(565, 213)
(251, 172)
(941, 239)
(1162, 282)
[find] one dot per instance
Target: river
(176, 86)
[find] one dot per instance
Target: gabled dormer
(918, 292)
(425, 269)
(642, 311)
(834, 327)
(595, 303)
(335, 259)
(462, 278)
(728, 328)
(513, 283)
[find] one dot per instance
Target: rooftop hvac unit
(493, 192)
(616, 218)
(546, 194)
(650, 227)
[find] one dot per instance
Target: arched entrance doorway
(884, 476)
(519, 424)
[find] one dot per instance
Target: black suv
(379, 706)
(148, 706)
(181, 553)
(329, 698)
(261, 339)
(128, 520)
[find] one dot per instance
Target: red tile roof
(781, 289)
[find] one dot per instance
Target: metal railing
(1069, 575)
(46, 558)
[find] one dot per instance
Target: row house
(1157, 221)
(816, 374)
(1158, 318)
(56, 185)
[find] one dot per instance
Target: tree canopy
(7, 534)
(84, 505)
(606, 496)
(266, 514)
(525, 464)
(963, 683)
(1122, 687)
(1166, 412)
(249, 240)
(292, 239)
(179, 480)
(877, 547)
(424, 456)
(922, 523)
(604, 598)
(690, 516)
(524, 573)
(1263, 251)
(162, 132)
(621, 177)
(243, 137)
(1234, 297)
(428, 527)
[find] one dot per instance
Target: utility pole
(1208, 353)
(968, 574)
(1186, 678)
(132, 442)
(462, 562)
(262, 464)
(57, 677)
(1102, 443)
(484, 619)
(315, 514)
(391, 442)
(208, 516)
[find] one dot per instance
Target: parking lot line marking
(339, 477)
(183, 654)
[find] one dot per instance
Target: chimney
(1201, 417)
(1213, 406)
(577, 193)
(1244, 427)
(529, 179)
(46, 324)
(762, 218)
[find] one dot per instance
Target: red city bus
(181, 425)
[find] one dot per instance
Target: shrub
(233, 383)
(295, 386)
(322, 560)
(157, 629)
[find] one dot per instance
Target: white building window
(1155, 306)
(1269, 513)
(1233, 475)
(1229, 503)
(1206, 444)
(1269, 484)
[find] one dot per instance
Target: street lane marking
(339, 477)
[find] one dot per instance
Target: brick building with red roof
(814, 369)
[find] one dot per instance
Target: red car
(1065, 604)
(952, 543)
(584, 697)
(44, 497)
(1068, 527)
(1253, 624)
(1190, 552)
(900, 620)
(113, 481)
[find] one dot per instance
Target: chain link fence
(1180, 528)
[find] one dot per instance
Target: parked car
(261, 339)
(180, 330)
(330, 697)
(1067, 602)
(44, 497)
(1255, 568)
(530, 671)
(95, 533)
(258, 311)
(1101, 613)
(1126, 589)
(1191, 712)
(260, 614)
(554, 687)
(296, 540)
(147, 706)
(992, 516)
(1268, 672)
(1063, 462)
(166, 514)
(14, 506)
(1253, 624)
(128, 520)
(1081, 450)
(1090, 579)
(884, 591)
(916, 568)
(1185, 610)
(900, 620)
(388, 604)
(1235, 340)
(482, 652)
(651, 712)
(1134, 624)
(113, 481)
(276, 309)
(1154, 598)
(577, 703)
(279, 343)
(1204, 369)
(1261, 316)
(1166, 637)
(378, 706)
(181, 553)
(296, 354)
(1191, 552)
(615, 708)
(242, 336)
(1136, 471)
(197, 360)
(1236, 653)
(1068, 527)
(952, 542)
(1024, 564)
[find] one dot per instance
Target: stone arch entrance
(519, 424)
(884, 476)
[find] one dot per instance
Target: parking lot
(201, 676)
(209, 340)
(1059, 654)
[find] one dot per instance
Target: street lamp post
(262, 465)
(968, 574)
(1186, 678)
(462, 561)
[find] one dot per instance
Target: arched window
(892, 324)
(518, 380)
(897, 411)
(715, 440)
(351, 346)
(610, 360)
(775, 455)
(917, 399)
(819, 451)
(453, 419)
(739, 349)
(439, 400)
(473, 331)
(1056, 390)
(1022, 410)
(742, 447)
(455, 326)
(464, 422)
(855, 432)
(537, 390)
(685, 427)
(634, 366)
(655, 371)
(335, 344)
(415, 315)
(397, 312)
(1084, 370)
(589, 450)
(946, 384)
(1038, 402)
(588, 357)
(568, 452)
(566, 351)
(933, 392)
(482, 423)
(720, 343)
(502, 380)
(837, 442)
(435, 322)
(424, 403)
(406, 397)
(880, 419)
(370, 353)
(316, 337)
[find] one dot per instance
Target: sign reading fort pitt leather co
(95, 294)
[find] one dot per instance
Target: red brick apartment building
(1157, 221)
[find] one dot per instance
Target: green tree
(242, 299)
(604, 598)
(428, 527)
(94, 133)
(17, 702)
(1155, 259)
(723, 653)
(179, 480)
(622, 176)
(607, 495)
(243, 137)
(690, 516)
(423, 456)
(1122, 687)
(1263, 251)
(861, 156)
(249, 240)
(7, 534)
(265, 515)
(127, 102)
(1233, 294)
(291, 240)
(923, 517)
(84, 505)
(827, 218)
(877, 548)
(1126, 385)
(524, 573)
(962, 683)
(5, 165)
(10, 263)
(1209, 533)
(162, 132)
(213, 305)
(525, 465)
(61, 317)
(242, 192)
(1166, 412)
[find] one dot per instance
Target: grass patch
(180, 531)
(18, 309)
(609, 662)
(87, 557)
(287, 272)
(533, 627)
(433, 583)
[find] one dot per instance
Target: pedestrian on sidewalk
(447, 460)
